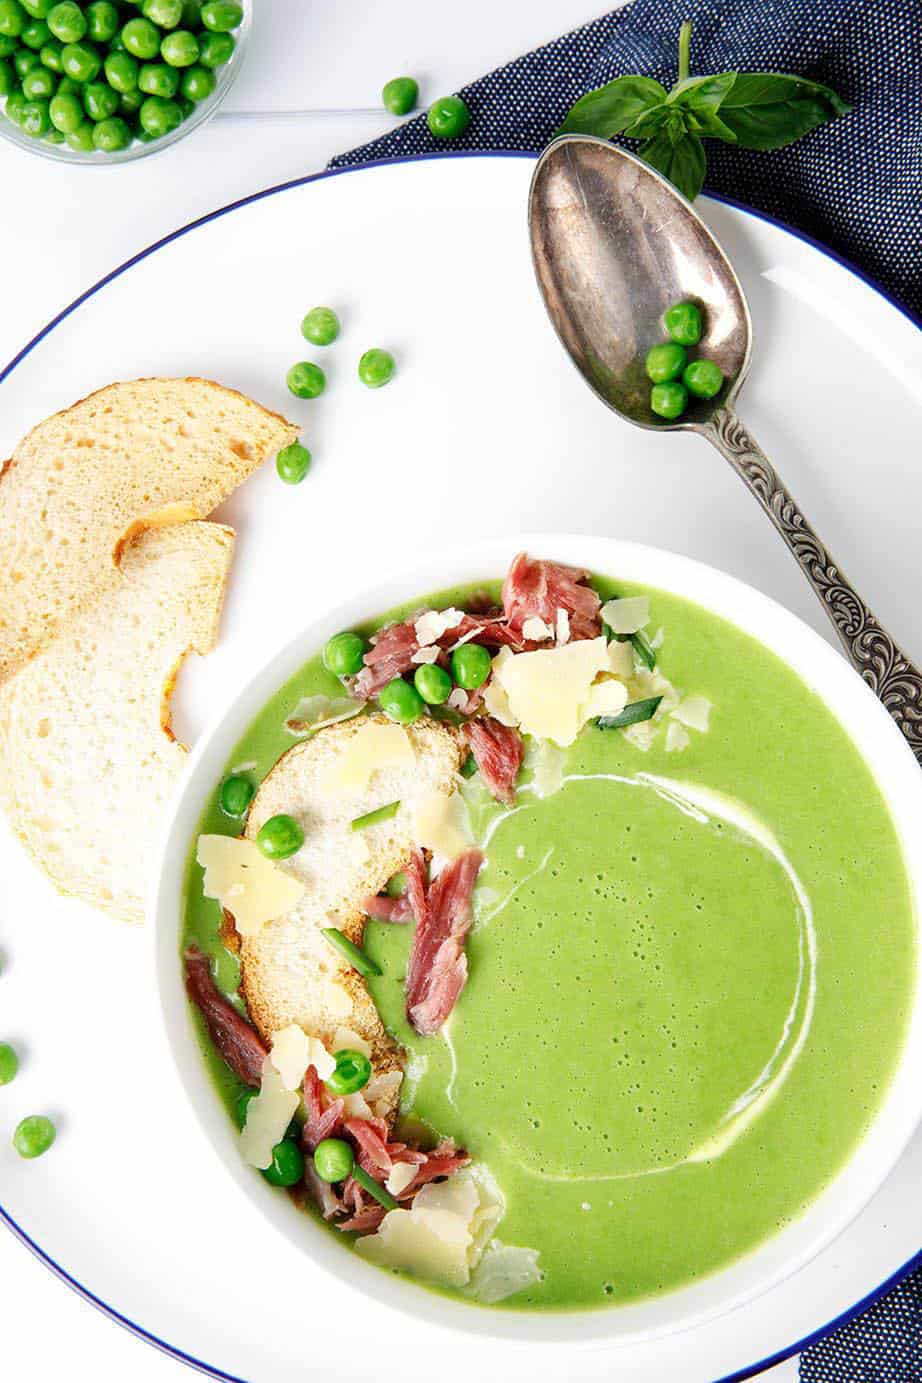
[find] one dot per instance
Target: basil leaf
(766, 110)
(611, 109)
(702, 93)
(707, 123)
(648, 124)
(684, 163)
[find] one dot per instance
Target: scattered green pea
(158, 117)
(80, 62)
(111, 134)
(221, 15)
(448, 117)
(9, 1063)
(66, 112)
(24, 60)
(306, 380)
(343, 654)
(197, 83)
(180, 48)
(50, 55)
(158, 79)
(293, 463)
(8, 46)
(130, 102)
(287, 1165)
(81, 139)
(236, 795)
(67, 22)
(34, 119)
(280, 837)
(33, 1136)
(101, 21)
(683, 322)
(376, 367)
(13, 18)
(14, 106)
(433, 683)
(320, 326)
(665, 362)
(352, 1073)
(37, 9)
(703, 378)
(470, 665)
(36, 34)
(400, 701)
(38, 84)
(333, 1159)
(141, 39)
(669, 400)
(121, 71)
(166, 13)
(99, 100)
(215, 49)
(400, 95)
(53, 136)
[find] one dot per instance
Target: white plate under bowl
(883, 748)
(485, 430)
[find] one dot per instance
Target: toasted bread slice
(87, 757)
(288, 967)
(87, 481)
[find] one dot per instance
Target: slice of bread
(85, 482)
(87, 757)
(289, 965)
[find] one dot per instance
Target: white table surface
(310, 89)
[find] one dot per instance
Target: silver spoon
(614, 245)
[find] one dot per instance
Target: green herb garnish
(379, 814)
(633, 714)
(469, 767)
(353, 954)
(753, 110)
(644, 649)
(373, 1188)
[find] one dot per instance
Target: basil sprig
(754, 110)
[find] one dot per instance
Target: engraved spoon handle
(869, 648)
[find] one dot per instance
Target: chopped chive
(632, 714)
(374, 1188)
(353, 954)
(379, 814)
(643, 649)
(469, 767)
(396, 886)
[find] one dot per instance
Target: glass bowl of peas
(105, 82)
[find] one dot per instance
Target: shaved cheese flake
(465, 638)
(621, 659)
(344, 1039)
(441, 824)
(562, 628)
(381, 1090)
(426, 655)
(640, 735)
(627, 615)
(314, 712)
(293, 1050)
(432, 1246)
(373, 746)
(694, 712)
(677, 738)
(495, 700)
(402, 1173)
(457, 699)
(546, 762)
(606, 698)
(658, 639)
(268, 1115)
(244, 882)
(434, 623)
(504, 1270)
(548, 689)
(355, 1106)
(534, 628)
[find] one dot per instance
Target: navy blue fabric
(854, 184)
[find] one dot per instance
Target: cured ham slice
(437, 969)
(239, 1044)
(323, 1117)
(390, 656)
(384, 909)
(498, 751)
(534, 587)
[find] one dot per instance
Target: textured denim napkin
(854, 184)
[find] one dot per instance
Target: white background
(309, 89)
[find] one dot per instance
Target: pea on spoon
(614, 245)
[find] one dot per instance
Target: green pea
(343, 654)
(352, 1073)
(400, 95)
(8, 46)
(669, 400)
(15, 104)
(665, 362)
(33, 1136)
(111, 134)
(7, 77)
(158, 79)
(66, 112)
(683, 322)
(13, 18)
(81, 139)
(66, 21)
(121, 71)
(9, 1063)
(293, 463)
(215, 49)
(38, 84)
(306, 380)
(320, 326)
(703, 378)
(376, 367)
(50, 55)
(333, 1159)
(236, 795)
(180, 49)
(470, 665)
(117, 44)
(280, 837)
(400, 701)
(35, 34)
(448, 117)
(34, 119)
(158, 117)
(287, 1165)
(141, 39)
(53, 137)
(99, 100)
(68, 87)
(241, 1106)
(102, 22)
(221, 15)
(197, 83)
(166, 13)
(80, 62)
(24, 60)
(130, 102)
(433, 683)
(38, 9)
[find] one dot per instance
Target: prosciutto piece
(324, 1116)
(534, 587)
(437, 969)
(239, 1044)
(382, 908)
(370, 1135)
(390, 656)
(366, 1214)
(498, 751)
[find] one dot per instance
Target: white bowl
(884, 750)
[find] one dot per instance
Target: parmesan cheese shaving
(314, 712)
(694, 712)
(344, 1039)
(621, 659)
(548, 691)
(457, 699)
(381, 1090)
(373, 746)
(606, 698)
(355, 1106)
(293, 1051)
(268, 1115)
(562, 628)
(402, 1173)
(546, 762)
(534, 628)
(252, 888)
(495, 700)
(627, 615)
(677, 738)
(441, 825)
(426, 655)
(504, 1270)
(434, 623)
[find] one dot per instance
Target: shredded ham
(238, 1042)
(498, 751)
(385, 909)
(324, 1116)
(536, 587)
(390, 656)
(437, 969)
(366, 1214)
(371, 1137)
